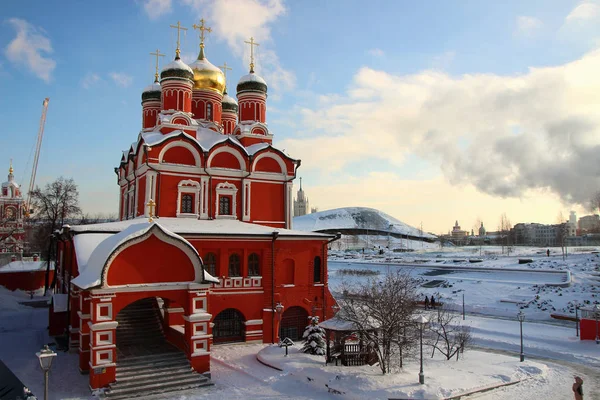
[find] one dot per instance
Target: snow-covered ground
(497, 285)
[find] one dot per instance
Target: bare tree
(383, 313)
(562, 231)
(449, 336)
(504, 229)
(58, 201)
(594, 204)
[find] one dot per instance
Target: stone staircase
(146, 363)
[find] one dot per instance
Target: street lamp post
(46, 356)
(577, 319)
(463, 306)
(279, 309)
(521, 318)
(596, 315)
(421, 321)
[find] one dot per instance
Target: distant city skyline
(462, 111)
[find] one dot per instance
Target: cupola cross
(202, 28)
(179, 29)
(151, 204)
(252, 43)
(225, 68)
(157, 54)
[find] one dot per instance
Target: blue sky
(421, 106)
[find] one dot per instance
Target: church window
(224, 205)
(317, 270)
(234, 265)
(209, 111)
(210, 264)
(187, 203)
(253, 265)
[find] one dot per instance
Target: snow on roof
(25, 266)
(204, 64)
(155, 87)
(356, 218)
(85, 245)
(252, 77)
(206, 138)
(91, 276)
(189, 226)
(228, 99)
(177, 64)
(255, 148)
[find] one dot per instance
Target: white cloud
(31, 48)
(157, 8)
(121, 78)
(528, 26)
(584, 12)
(236, 23)
(89, 80)
(376, 52)
(503, 134)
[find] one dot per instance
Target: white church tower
(300, 203)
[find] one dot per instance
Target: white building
(301, 203)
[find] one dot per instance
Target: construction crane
(37, 155)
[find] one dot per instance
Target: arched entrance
(229, 326)
(293, 322)
(140, 330)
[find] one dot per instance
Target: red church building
(204, 252)
(12, 212)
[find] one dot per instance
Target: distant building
(457, 232)
(12, 211)
(535, 234)
(314, 210)
(572, 224)
(589, 223)
(300, 203)
(481, 230)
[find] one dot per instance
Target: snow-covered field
(497, 285)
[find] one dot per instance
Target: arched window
(210, 264)
(224, 205)
(209, 111)
(186, 203)
(317, 270)
(234, 265)
(253, 265)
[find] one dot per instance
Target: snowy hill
(357, 220)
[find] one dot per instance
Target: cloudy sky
(432, 111)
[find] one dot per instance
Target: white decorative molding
(246, 199)
(226, 149)
(275, 157)
(226, 189)
(103, 309)
(180, 143)
(192, 187)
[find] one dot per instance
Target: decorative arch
(226, 201)
(229, 326)
(227, 149)
(293, 322)
(269, 167)
(185, 188)
(184, 144)
(161, 250)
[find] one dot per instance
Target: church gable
(163, 262)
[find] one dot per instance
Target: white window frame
(226, 189)
(188, 186)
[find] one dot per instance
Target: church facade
(205, 232)
(12, 213)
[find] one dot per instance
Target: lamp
(46, 356)
(421, 321)
(521, 318)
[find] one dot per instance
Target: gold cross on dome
(202, 29)
(151, 204)
(179, 29)
(225, 68)
(157, 54)
(252, 43)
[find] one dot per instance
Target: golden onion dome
(206, 75)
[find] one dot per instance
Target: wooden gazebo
(346, 344)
